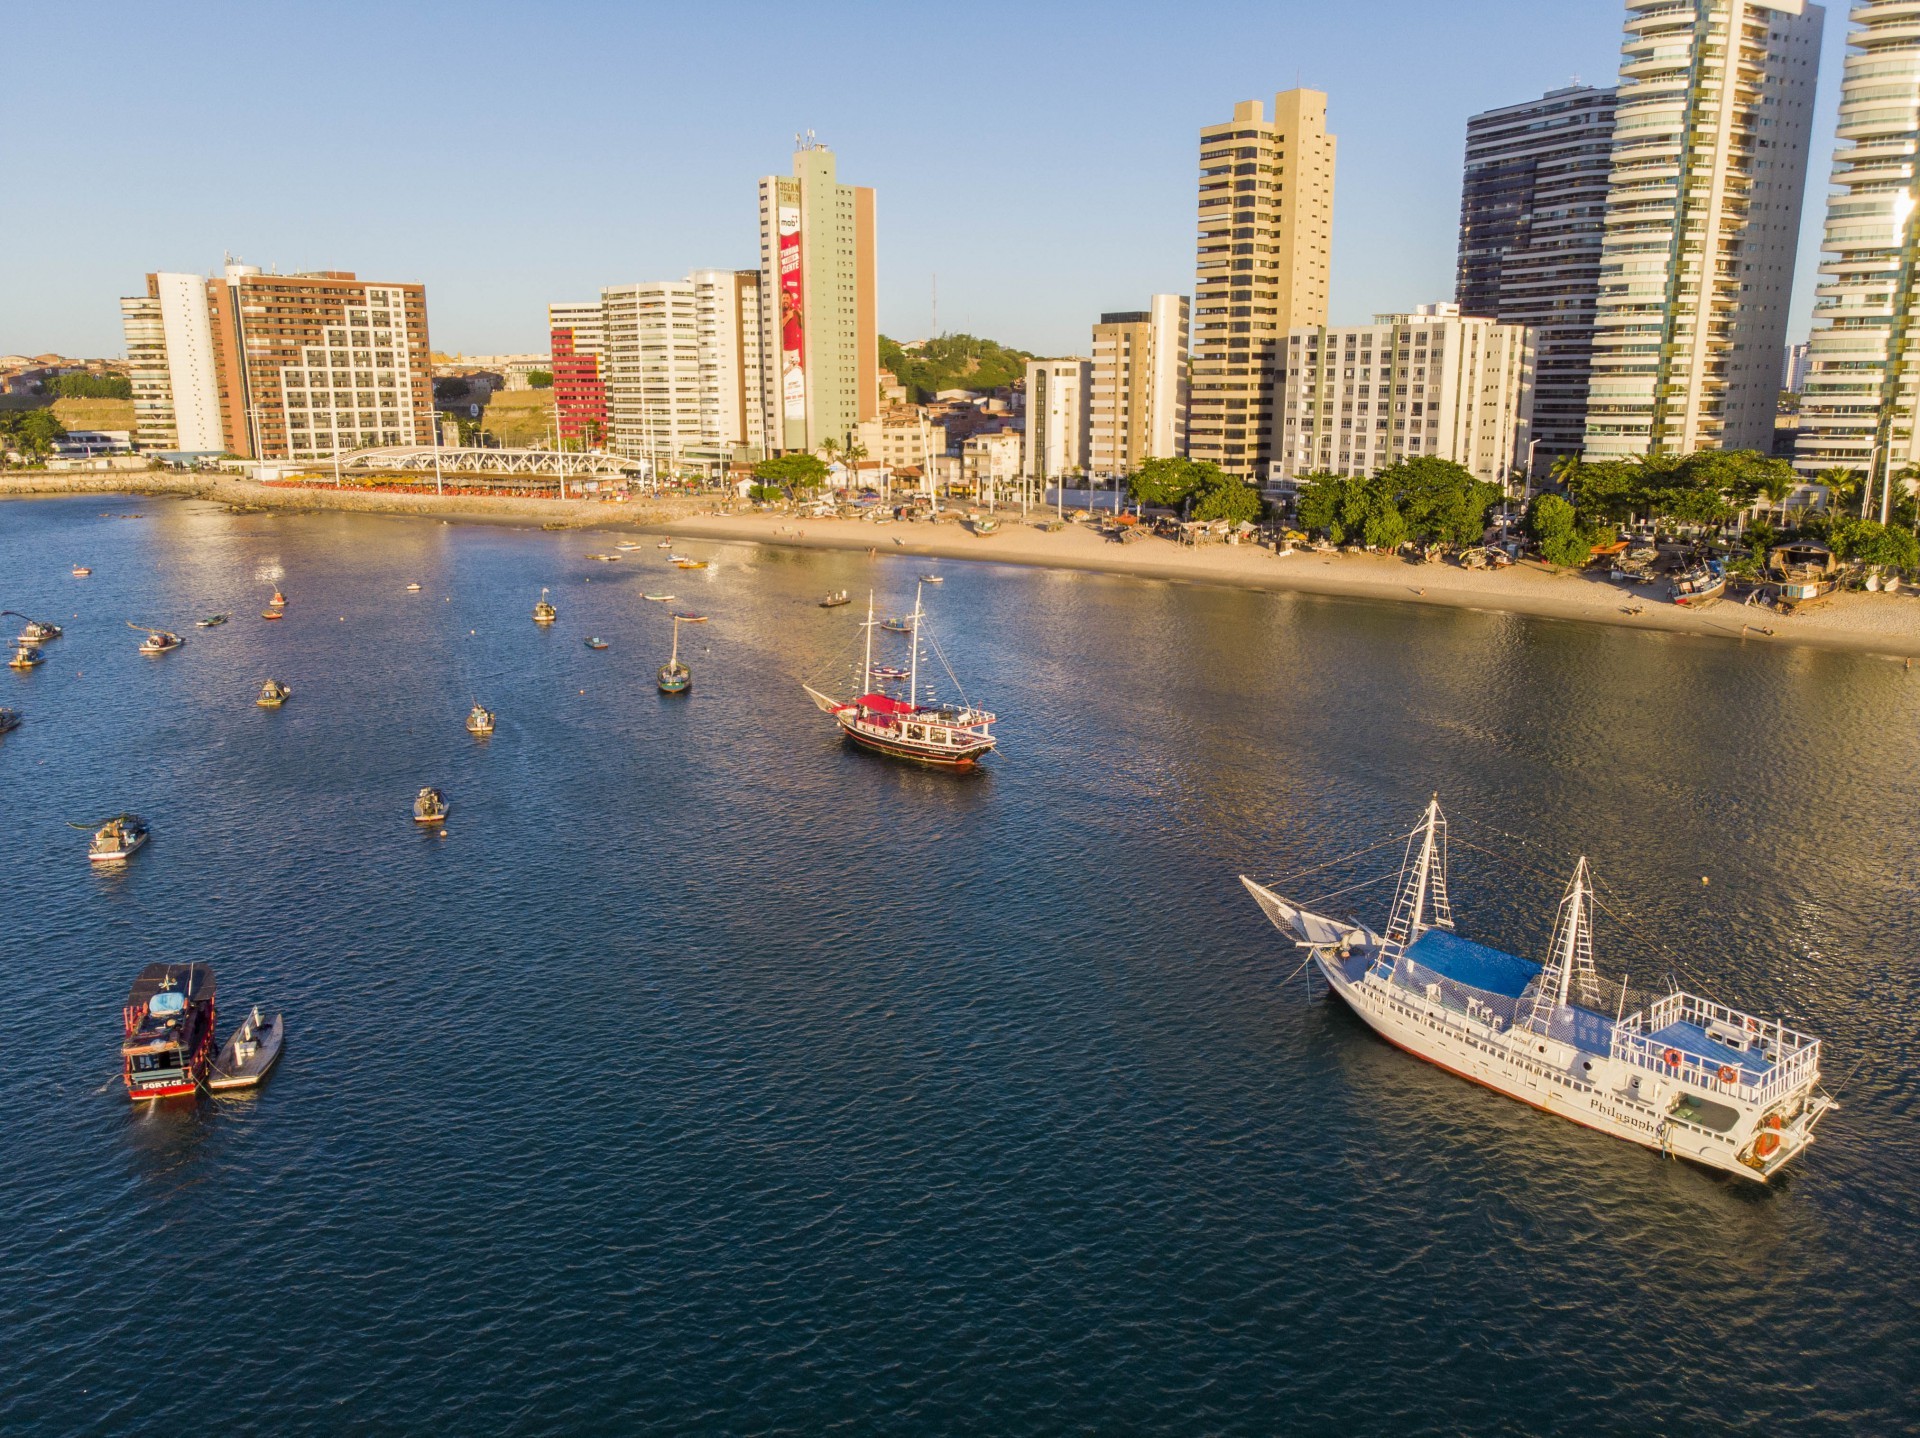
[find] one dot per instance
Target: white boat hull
(113, 856)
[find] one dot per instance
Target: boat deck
(1695, 1042)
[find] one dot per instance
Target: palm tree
(1841, 485)
(853, 453)
(1777, 487)
(1565, 470)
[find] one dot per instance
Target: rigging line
(1383, 844)
(1376, 879)
(965, 703)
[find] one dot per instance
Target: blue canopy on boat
(1474, 965)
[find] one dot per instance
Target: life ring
(1765, 1145)
(1773, 1120)
(1672, 1058)
(1728, 1073)
(1753, 1024)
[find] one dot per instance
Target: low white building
(1353, 399)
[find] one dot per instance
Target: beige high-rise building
(1264, 259)
(1138, 403)
(1710, 143)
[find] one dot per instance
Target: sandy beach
(1880, 623)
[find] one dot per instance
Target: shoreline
(1887, 625)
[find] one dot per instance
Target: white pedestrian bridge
(537, 463)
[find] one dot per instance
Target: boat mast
(1417, 885)
(913, 638)
(674, 662)
(1572, 955)
(866, 669)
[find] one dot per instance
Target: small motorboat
(479, 719)
(430, 806)
(897, 626)
(665, 544)
(9, 720)
(628, 545)
(544, 612)
(683, 563)
(271, 614)
(888, 671)
(159, 641)
(273, 694)
(836, 599)
(413, 589)
(247, 1056)
(932, 579)
(605, 558)
(660, 598)
(26, 657)
(116, 839)
(212, 621)
(37, 631)
(80, 571)
(594, 641)
(279, 600)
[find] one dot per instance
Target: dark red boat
(169, 1022)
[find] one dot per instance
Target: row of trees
(1708, 489)
(1423, 498)
(89, 386)
(1202, 487)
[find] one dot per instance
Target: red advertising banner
(793, 328)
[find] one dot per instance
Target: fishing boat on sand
(117, 839)
(167, 1025)
(544, 612)
(1698, 583)
(944, 735)
(273, 694)
(249, 1053)
(674, 677)
(479, 719)
(429, 806)
(1683, 1074)
(26, 657)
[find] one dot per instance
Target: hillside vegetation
(952, 362)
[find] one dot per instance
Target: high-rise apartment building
(1532, 212)
(1862, 379)
(820, 346)
(270, 366)
(1793, 374)
(576, 331)
(1263, 262)
(1703, 216)
(1356, 398)
(1138, 401)
(680, 361)
(1059, 431)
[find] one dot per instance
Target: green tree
(31, 431)
(1228, 499)
(90, 386)
(796, 472)
(539, 379)
(1873, 543)
(1320, 502)
(1842, 486)
(952, 362)
(1437, 499)
(1171, 482)
(1555, 527)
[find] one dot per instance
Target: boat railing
(1786, 1059)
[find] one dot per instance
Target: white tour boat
(1684, 1075)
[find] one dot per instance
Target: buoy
(1705, 880)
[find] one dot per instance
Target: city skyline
(1024, 248)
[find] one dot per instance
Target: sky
(1038, 161)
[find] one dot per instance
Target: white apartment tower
(1138, 404)
(1059, 431)
(680, 362)
(1356, 398)
(1861, 382)
(1703, 217)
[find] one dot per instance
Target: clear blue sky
(1039, 158)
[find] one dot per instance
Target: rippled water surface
(709, 1076)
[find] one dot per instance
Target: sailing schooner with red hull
(940, 735)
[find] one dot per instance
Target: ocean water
(710, 1076)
